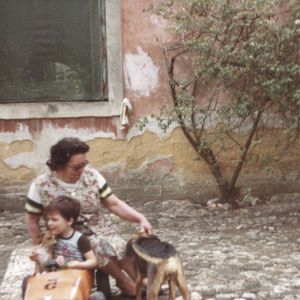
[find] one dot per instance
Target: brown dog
(158, 261)
(44, 252)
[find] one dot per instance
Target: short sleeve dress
(89, 190)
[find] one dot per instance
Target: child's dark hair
(67, 207)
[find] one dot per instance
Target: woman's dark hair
(61, 152)
(67, 207)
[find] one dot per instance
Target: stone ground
(250, 253)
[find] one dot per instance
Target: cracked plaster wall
(146, 166)
(139, 164)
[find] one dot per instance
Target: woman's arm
(33, 227)
(126, 212)
(89, 263)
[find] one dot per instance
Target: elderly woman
(70, 176)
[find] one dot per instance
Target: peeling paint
(21, 133)
(141, 75)
(19, 160)
(42, 143)
(151, 126)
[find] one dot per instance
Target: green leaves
(243, 60)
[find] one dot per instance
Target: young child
(72, 248)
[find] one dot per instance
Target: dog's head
(48, 240)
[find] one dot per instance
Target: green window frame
(105, 103)
(52, 50)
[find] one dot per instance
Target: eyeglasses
(79, 166)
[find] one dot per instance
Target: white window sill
(83, 108)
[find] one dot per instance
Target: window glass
(52, 50)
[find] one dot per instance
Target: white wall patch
(141, 75)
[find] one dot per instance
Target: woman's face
(74, 168)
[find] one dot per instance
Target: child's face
(57, 224)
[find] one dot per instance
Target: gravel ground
(250, 253)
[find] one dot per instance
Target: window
(59, 56)
(51, 50)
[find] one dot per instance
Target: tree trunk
(227, 191)
(227, 194)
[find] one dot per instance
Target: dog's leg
(155, 280)
(139, 285)
(182, 285)
(172, 287)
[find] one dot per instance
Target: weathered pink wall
(138, 164)
(142, 37)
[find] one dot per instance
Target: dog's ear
(144, 235)
(43, 237)
(48, 238)
(135, 236)
(140, 234)
(129, 250)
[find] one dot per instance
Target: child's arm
(89, 263)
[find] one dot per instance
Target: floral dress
(89, 190)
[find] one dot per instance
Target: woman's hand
(146, 226)
(126, 212)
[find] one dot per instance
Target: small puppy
(44, 252)
(158, 261)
